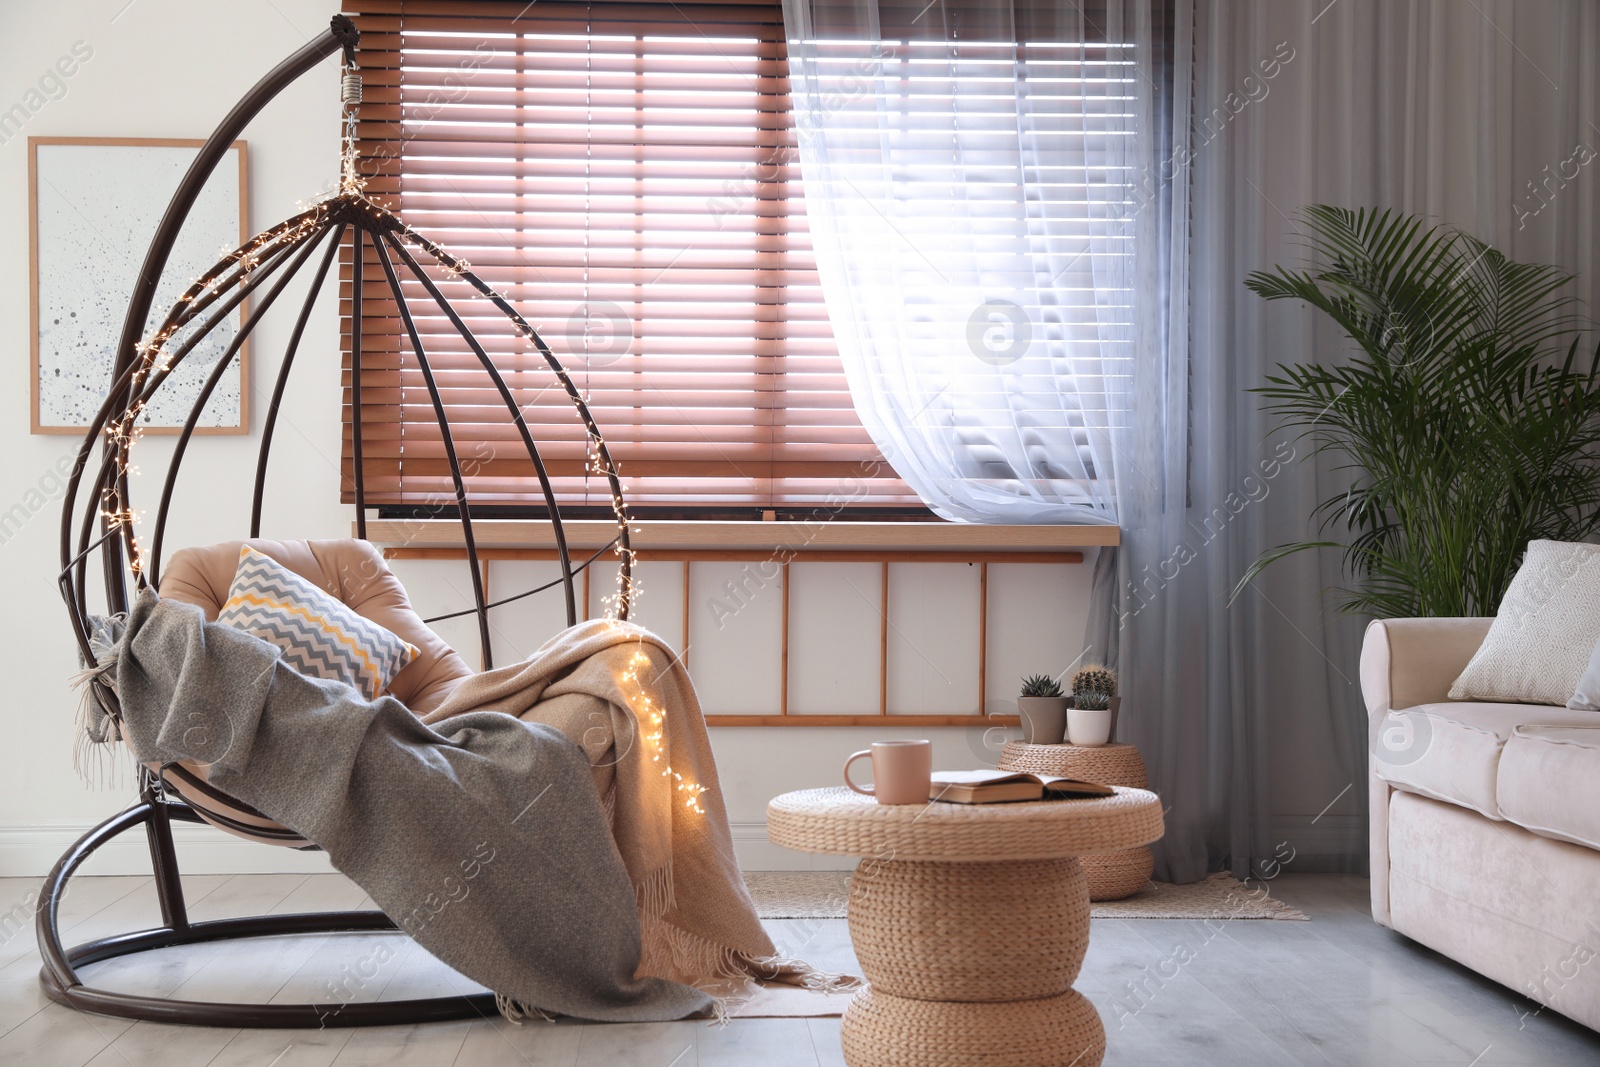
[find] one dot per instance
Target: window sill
(969, 720)
(673, 539)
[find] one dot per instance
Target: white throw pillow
(1547, 626)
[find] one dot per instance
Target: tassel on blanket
(785, 969)
(516, 1012)
(98, 757)
(654, 895)
(674, 953)
(97, 752)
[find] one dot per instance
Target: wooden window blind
(626, 175)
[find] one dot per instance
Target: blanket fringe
(97, 723)
(97, 751)
(654, 896)
(674, 953)
(787, 970)
(516, 1012)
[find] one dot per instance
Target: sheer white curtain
(969, 184)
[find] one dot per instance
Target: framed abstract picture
(93, 207)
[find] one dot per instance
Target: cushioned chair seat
(1538, 756)
(1452, 751)
(350, 571)
(354, 573)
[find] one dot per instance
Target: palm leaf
(1465, 431)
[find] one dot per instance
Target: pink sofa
(1485, 836)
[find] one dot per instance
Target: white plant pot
(1044, 719)
(1090, 728)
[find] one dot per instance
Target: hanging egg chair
(99, 521)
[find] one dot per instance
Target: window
(626, 175)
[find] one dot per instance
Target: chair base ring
(61, 983)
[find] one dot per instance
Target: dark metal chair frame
(103, 524)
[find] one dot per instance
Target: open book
(992, 787)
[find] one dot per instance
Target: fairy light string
(652, 727)
(154, 363)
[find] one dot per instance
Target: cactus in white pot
(1092, 719)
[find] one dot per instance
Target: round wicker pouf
(970, 921)
(1112, 875)
(1036, 918)
(880, 1030)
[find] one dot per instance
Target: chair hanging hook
(345, 32)
(350, 98)
(350, 87)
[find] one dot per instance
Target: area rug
(825, 894)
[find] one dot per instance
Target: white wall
(159, 68)
(171, 68)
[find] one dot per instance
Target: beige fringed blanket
(625, 697)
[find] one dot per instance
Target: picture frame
(93, 205)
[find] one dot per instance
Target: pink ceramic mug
(900, 771)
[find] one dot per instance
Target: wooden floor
(1337, 990)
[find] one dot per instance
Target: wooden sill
(403, 537)
(879, 721)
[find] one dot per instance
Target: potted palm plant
(1465, 415)
(1043, 709)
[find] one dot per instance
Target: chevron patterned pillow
(320, 637)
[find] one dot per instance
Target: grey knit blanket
(482, 837)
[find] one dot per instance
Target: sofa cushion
(1452, 751)
(1549, 782)
(1546, 628)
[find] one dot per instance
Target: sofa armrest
(1406, 662)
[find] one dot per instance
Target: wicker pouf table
(1111, 875)
(970, 922)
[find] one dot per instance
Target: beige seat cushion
(352, 572)
(1452, 751)
(1549, 781)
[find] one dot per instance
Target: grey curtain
(1481, 114)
